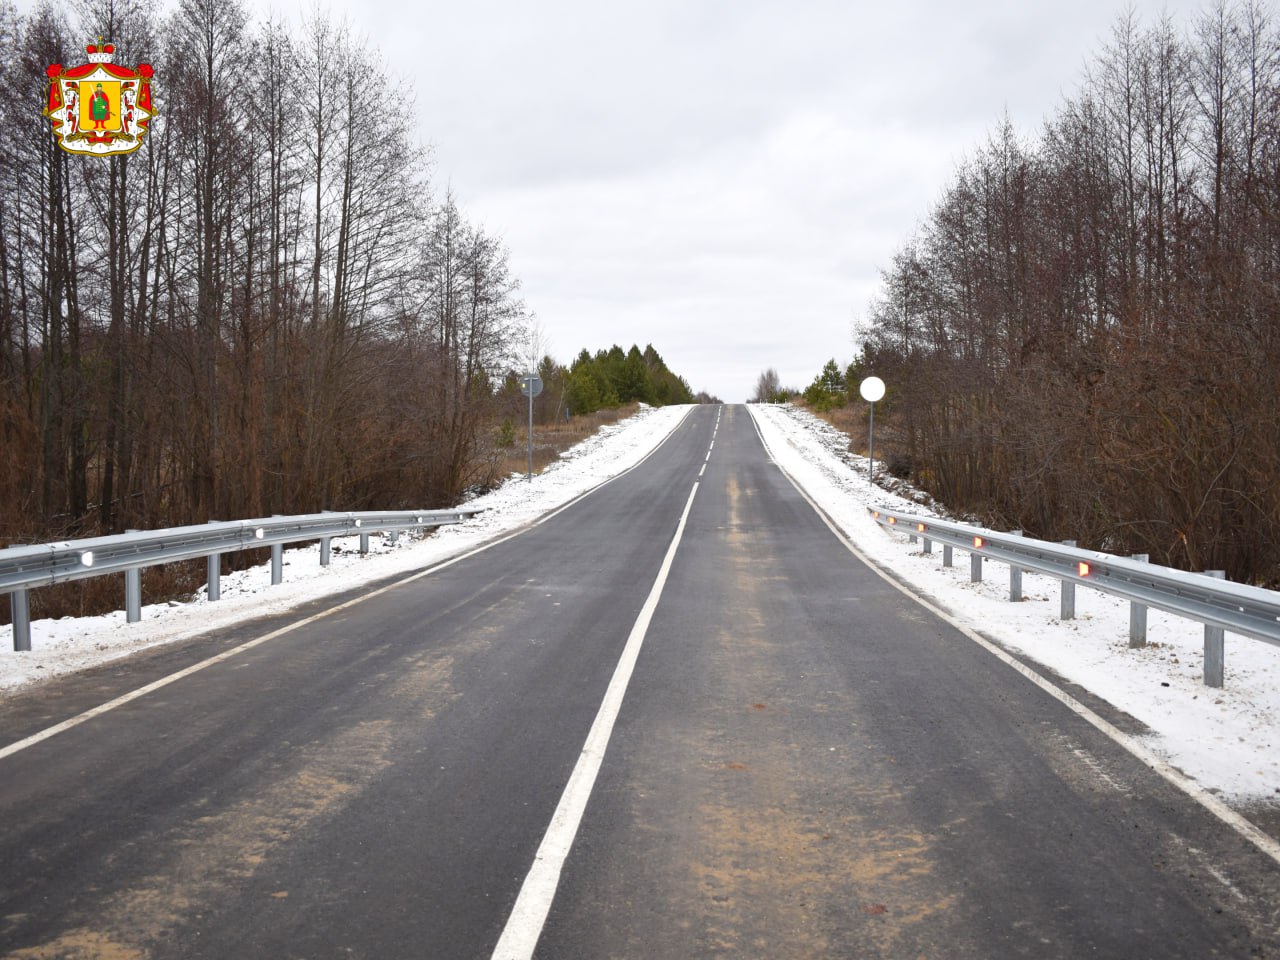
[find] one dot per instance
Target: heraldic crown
(100, 52)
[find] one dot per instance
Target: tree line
(1083, 338)
(611, 378)
(606, 380)
(265, 309)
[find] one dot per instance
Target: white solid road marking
(524, 926)
(1263, 841)
(120, 701)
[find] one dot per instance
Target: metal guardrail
(28, 567)
(1204, 597)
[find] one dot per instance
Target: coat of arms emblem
(98, 108)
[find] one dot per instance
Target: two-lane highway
(803, 763)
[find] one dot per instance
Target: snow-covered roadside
(1228, 740)
(70, 644)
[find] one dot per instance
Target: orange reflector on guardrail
(1082, 568)
(978, 541)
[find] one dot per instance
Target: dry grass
(853, 422)
(551, 440)
(178, 581)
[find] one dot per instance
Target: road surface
(801, 762)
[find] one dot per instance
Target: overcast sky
(723, 180)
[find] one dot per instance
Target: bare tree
(1083, 330)
(767, 386)
(261, 310)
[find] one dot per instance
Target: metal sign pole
(872, 389)
(530, 386)
(871, 445)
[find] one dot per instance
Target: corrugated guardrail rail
(1218, 604)
(27, 567)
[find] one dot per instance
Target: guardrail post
(1214, 652)
(975, 568)
(364, 543)
(394, 537)
(213, 571)
(277, 564)
(1138, 614)
(1067, 607)
(213, 575)
(324, 551)
(926, 546)
(946, 554)
(20, 614)
(132, 593)
(1015, 577)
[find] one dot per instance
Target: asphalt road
(805, 764)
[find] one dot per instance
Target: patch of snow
(1227, 739)
(74, 643)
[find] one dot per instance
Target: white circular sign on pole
(872, 389)
(531, 385)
